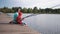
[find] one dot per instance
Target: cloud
(29, 3)
(40, 3)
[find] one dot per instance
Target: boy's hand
(22, 19)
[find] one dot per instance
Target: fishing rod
(29, 16)
(55, 6)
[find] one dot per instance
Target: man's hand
(22, 18)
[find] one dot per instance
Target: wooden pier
(6, 28)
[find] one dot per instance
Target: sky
(30, 3)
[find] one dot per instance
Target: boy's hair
(18, 9)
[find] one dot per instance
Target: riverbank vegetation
(30, 10)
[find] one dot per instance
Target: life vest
(19, 17)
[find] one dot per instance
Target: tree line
(30, 10)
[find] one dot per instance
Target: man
(19, 17)
(15, 17)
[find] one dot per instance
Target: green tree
(35, 10)
(49, 10)
(58, 10)
(42, 11)
(39, 11)
(29, 10)
(0, 9)
(12, 11)
(5, 9)
(24, 10)
(16, 8)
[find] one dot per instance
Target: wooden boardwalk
(6, 28)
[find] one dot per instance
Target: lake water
(44, 23)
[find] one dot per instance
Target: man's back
(15, 15)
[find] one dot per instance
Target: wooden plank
(6, 28)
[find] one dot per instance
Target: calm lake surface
(44, 23)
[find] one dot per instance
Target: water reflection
(45, 23)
